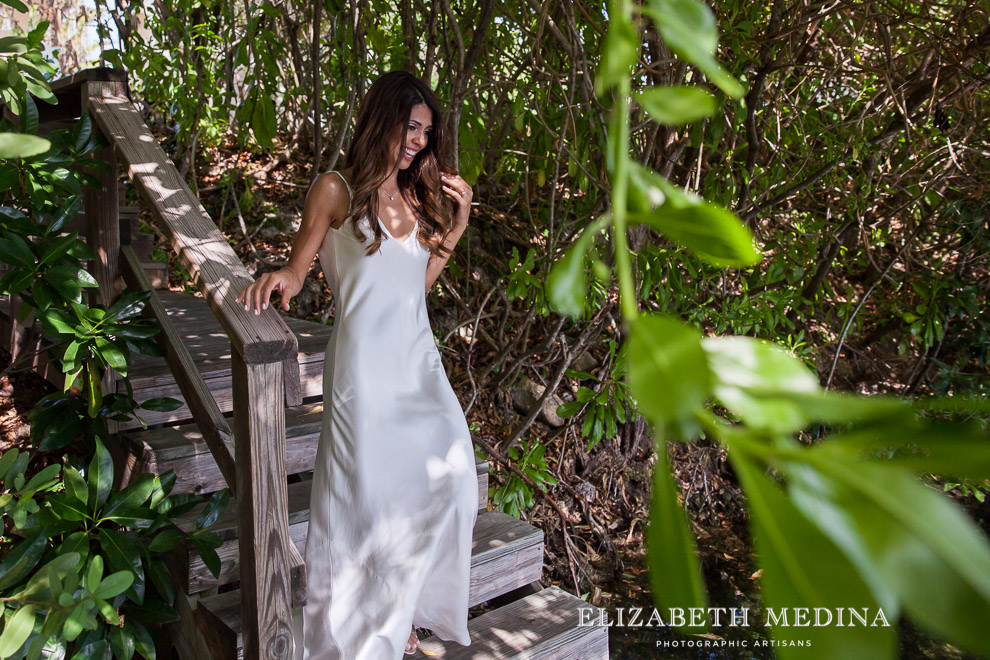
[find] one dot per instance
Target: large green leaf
(802, 568)
(708, 230)
(688, 28)
(753, 379)
(17, 630)
(22, 145)
(100, 475)
(926, 550)
(675, 573)
(676, 104)
(668, 370)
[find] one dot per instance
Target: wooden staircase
(232, 433)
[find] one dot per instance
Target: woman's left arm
(459, 191)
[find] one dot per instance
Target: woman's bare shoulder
(330, 196)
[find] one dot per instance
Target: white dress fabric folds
(395, 496)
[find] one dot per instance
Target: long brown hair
(385, 111)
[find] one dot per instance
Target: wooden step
(199, 577)
(182, 448)
(546, 625)
(506, 553)
(210, 348)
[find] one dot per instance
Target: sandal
(415, 646)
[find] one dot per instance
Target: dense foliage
(845, 141)
(83, 572)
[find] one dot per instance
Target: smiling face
(418, 131)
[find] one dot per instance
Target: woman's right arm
(326, 204)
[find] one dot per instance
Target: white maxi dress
(394, 497)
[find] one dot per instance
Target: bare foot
(413, 642)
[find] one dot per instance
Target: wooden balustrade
(264, 350)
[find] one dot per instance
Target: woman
(394, 497)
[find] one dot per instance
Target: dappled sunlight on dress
(394, 497)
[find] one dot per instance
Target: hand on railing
(285, 281)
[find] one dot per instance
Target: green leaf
(676, 104)
(668, 370)
(82, 131)
(123, 556)
(114, 584)
(19, 561)
(108, 613)
(162, 404)
(68, 210)
(689, 30)
(263, 120)
(208, 555)
(161, 578)
(95, 650)
(56, 323)
(17, 280)
(61, 431)
(713, 233)
(112, 355)
(215, 506)
(620, 50)
(67, 507)
(165, 540)
(134, 495)
(121, 642)
(99, 475)
(143, 642)
(95, 573)
(567, 286)
(940, 572)
(14, 250)
(46, 474)
(753, 379)
(16, 4)
(153, 612)
(802, 568)
(675, 573)
(7, 460)
(17, 630)
(22, 145)
(59, 247)
(128, 306)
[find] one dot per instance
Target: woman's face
(418, 132)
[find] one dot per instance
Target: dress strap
(350, 191)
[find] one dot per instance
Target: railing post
(102, 205)
(262, 508)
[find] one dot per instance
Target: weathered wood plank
(199, 576)
(212, 263)
(210, 348)
(298, 495)
(544, 625)
(213, 426)
(259, 434)
(187, 633)
(500, 542)
(182, 448)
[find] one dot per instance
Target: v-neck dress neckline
(350, 198)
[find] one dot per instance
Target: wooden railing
(264, 368)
